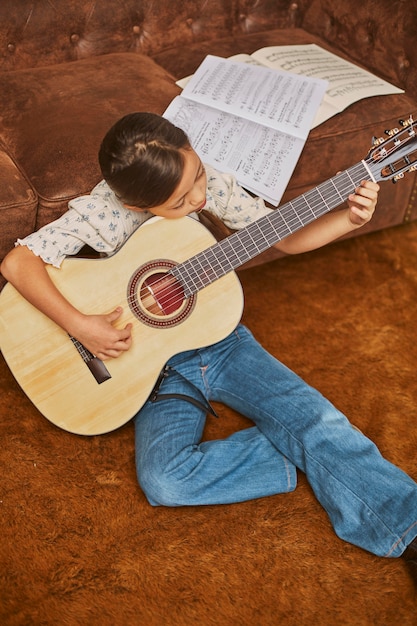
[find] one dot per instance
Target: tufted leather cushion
(34, 34)
(379, 33)
(53, 119)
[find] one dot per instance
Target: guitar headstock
(392, 157)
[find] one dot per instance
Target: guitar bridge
(95, 365)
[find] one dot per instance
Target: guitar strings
(194, 274)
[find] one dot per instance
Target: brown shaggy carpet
(81, 546)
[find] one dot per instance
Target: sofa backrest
(37, 33)
(379, 34)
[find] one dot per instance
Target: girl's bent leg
(175, 468)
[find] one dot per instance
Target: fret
(201, 269)
(246, 246)
(296, 221)
(242, 246)
(82, 350)
(231, 251)
(337, 190)
(184, 273)
(316, 203)
(214, 262)
(304, 209)
(321, 196)
(285, 222)
(258, 239)
(273, 232)
(351, 179)
(360, 171)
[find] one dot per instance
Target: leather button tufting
(189, 22)
(136, 30)
(74, 38)
(403, 65)
(11, 47)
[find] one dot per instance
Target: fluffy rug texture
(81, 546)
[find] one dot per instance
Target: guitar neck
(205, 267)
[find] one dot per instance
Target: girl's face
(190, 194)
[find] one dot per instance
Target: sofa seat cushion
(335, 145)
(53, 119)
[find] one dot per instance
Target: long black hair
(141, 160)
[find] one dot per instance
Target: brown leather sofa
(70, 68)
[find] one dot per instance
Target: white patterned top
(101, 221)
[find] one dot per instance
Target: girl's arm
(27, 273)
(361, 206)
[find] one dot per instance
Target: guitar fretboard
(207, 266)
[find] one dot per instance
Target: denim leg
(175, 468)
(371, 503)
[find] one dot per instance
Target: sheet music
(248, 120)
(278, 99)
(347, 82)
(261, 158)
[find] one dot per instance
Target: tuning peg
(408, 122)
(376, 141)
(392, 132)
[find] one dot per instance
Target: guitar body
(49, 367)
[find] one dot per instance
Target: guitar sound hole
(161, 294)
(156, 297)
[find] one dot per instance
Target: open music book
(347, 82)
(248, 120)
(234, 138)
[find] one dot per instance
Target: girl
(149, 168)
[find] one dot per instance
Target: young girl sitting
(149, 168)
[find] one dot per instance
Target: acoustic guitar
(178, 288)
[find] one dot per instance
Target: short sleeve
(98, 220)
(235, 206)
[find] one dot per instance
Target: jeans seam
(397, 543)
(382, 522)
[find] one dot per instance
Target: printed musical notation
(347, 82)
(248, 120)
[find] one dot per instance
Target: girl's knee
(162, 487)
(162, 492)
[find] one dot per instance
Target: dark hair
(140, 159)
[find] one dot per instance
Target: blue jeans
(370, 502)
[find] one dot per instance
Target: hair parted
(140, 159)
